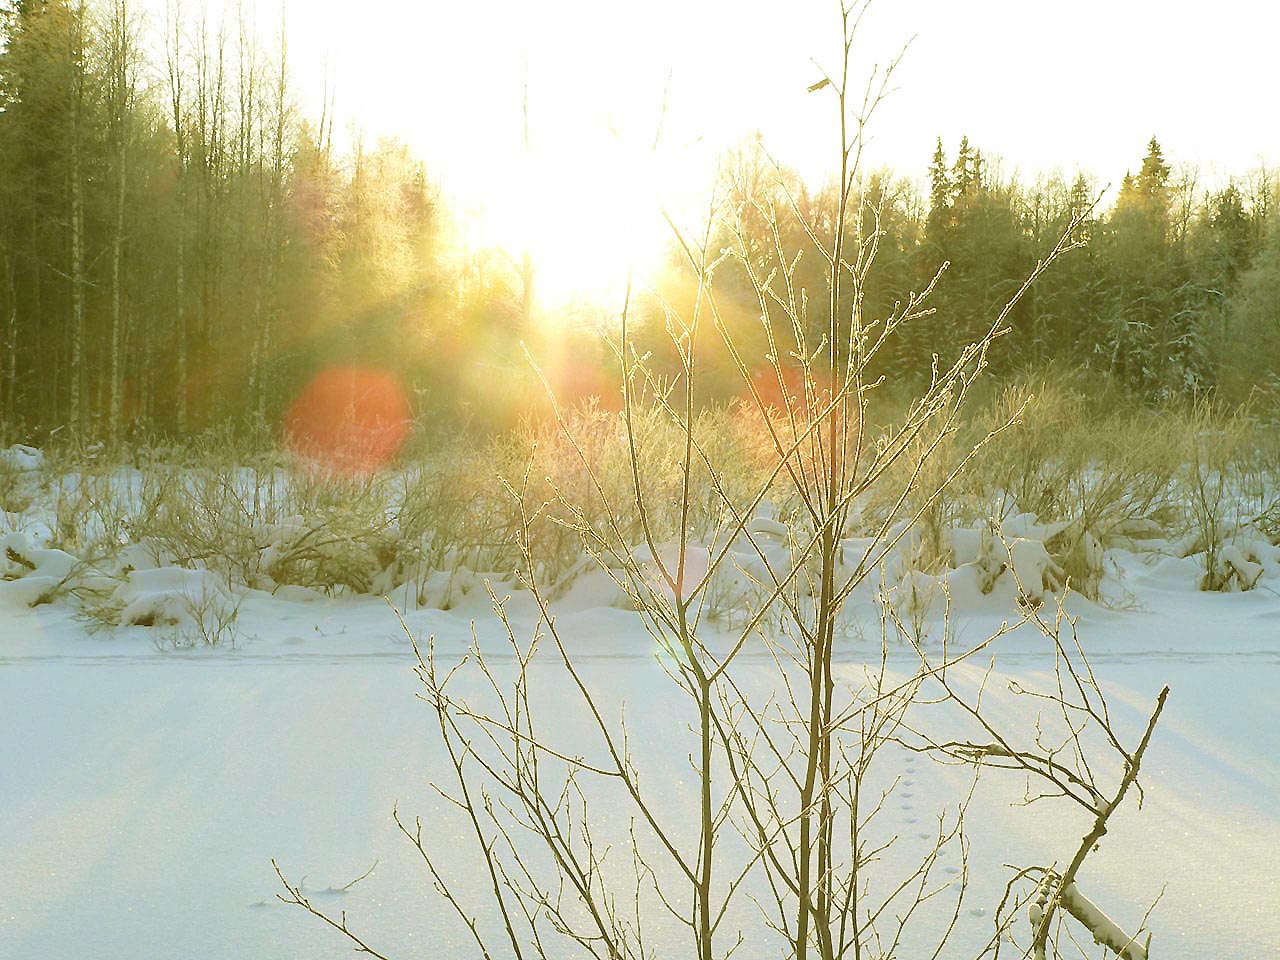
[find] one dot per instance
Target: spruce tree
(962, 175)
(939, 198)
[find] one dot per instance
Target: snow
(144, 789)
(168, 595)
(22, 458)
(1104, 929)
(144, 793)
(31, 575)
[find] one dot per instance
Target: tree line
(181, 246)
(1173, 292)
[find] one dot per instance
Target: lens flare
(349, 419)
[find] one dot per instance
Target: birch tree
(174, 73)
(121, 96)
(76, 111)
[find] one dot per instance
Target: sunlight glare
(588, 215)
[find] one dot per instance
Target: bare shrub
(788, 785)
(211, 620)
(1213, 509)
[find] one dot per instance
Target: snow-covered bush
(1268, 522)
(452, 511)
(181, 607)
(1089, 475)
(19, 477)
(31, 575)
(1213, 510)
(1096, 473)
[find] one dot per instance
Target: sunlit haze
(1039, 85)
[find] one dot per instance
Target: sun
(589, 218)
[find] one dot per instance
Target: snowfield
(147, 778)
(144, 792)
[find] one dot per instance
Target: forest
(181, 247)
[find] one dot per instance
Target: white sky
(1042, 84)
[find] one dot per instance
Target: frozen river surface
(143, 794)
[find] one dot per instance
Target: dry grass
(1105, 471)
(1110, 472)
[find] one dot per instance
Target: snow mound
(170, 596)
(32, 575)
(1239, 565)
(146, 554)
(21, 458)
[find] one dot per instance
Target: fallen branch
(1103, 929)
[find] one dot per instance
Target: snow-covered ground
(143, 792)
(148, 775)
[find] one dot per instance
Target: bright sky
(1079, 84)
(1085, 82)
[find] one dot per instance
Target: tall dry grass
(1097, 468)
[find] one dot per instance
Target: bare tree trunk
(49, 402)
(146, 364)
(173, 42)
(249, 242)
(255, 355)
(262, 353)
(276, 220)
(207, 147)
(181, 318)
(11, 340)
(122, 95)
(114, 422)
(77, 219)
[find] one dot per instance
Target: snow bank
(169, 596)
(21, 458)
(988, 566)
(30, 575)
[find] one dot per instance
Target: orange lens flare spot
(349, 419)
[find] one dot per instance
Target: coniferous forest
(180, 246)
